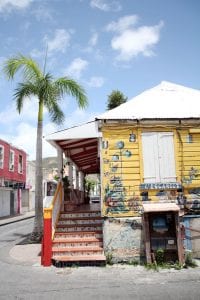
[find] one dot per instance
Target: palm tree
(49, 92)
(115, 99)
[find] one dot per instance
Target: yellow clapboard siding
(126, 182)
(124, 160)
(183, 155)
(133, 164)
(192, 160)
(129, 170)
(192, 151)
(187, 173)
(188, 168)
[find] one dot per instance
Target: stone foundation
(123, 239)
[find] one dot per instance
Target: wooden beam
(81, 146)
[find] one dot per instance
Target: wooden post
(147, 237)
(60, 162)
(179, 239)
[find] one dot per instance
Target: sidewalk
(16, 218)
(24, 253)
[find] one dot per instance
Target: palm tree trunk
(38, 222)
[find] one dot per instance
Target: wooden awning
(80, 144)
(160, 207)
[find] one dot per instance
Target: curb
(17, 219)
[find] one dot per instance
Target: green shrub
(159, 256)
(109, 258)
(189, 262)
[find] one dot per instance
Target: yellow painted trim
(56, 193)
(47, 213)
(53, 231)
(194, 130)
(61, 194)
(176, 154)
(141, 168)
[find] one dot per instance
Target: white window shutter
(166, 157)
(158, 157)
(150, 157)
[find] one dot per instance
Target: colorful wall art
(124, 185)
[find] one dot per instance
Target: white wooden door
(150, 157)
(166, 157)
(158, 157)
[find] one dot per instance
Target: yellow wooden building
(150, 171)
(151, 151)
(147, 154)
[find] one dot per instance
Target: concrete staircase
(78, 239)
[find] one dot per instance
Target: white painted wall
(4, 202)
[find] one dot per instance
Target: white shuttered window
(158, 157)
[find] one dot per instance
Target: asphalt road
(20, 281)
(15, 232)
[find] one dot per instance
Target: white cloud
(28, 113)
(75, 69)
(10, 116)
(59, 42)
(8, 5)
(93, 40)
(130, 41)
(123, 23)
(24, 134)
(25, 138)
(106, 5)
(96, 81)
(43, 13)
(92, 43)
(81, 115)
(37, 53)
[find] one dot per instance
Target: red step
(77, 249)
(77, 240)
(74, 241)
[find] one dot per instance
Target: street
(21, 280)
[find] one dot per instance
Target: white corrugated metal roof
(158, 207)
(87, 130)
(164, 101)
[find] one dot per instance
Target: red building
(12, 166)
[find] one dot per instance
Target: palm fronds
(69, 86)
(30, 69)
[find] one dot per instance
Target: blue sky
(128, 45)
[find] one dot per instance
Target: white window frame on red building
(20, 164)
(11, 160)
(1, 156)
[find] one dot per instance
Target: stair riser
(79, 222)
(77, 240)
(74, 229)
(74, 259)
(78, 244)
(83, 235)
(78, 236)
(80, 215)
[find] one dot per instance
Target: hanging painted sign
(160, 186)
